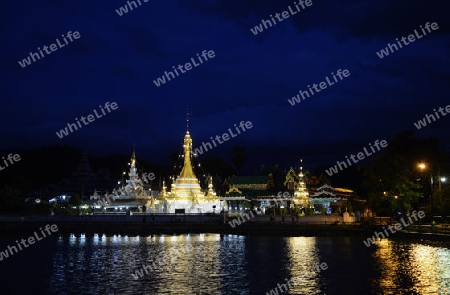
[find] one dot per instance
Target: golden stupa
(186, 192)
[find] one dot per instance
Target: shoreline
(247, 229)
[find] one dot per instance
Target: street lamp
(441, 179)
(422, 166)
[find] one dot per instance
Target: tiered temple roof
(301, 195)
(250, 187)
(83, 182)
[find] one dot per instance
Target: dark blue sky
(250, 78)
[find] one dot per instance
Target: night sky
(250, 78)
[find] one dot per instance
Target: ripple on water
(231, 264)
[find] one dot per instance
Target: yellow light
(421, 166)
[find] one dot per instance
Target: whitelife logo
(124, 9)
(168, 258)
(411, 38)
(398, 226)
(284, 14)
(360, 156)
(423, 123)
(10, 158)
(233, 223)
(53, 228)
(187, 67)
(225, 137)
(322, 85)
(103, 202)
(149, 176)
(27, 61)
(285, 287)
(90, 118)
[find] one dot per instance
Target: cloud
(356, 18)
(143, 40)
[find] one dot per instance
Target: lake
(223, 264)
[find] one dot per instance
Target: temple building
(82, 182)
(268, 189)
(265, 189)
(327, 199)
(248, 188)
(323, 199)
(301, 195)
(185, 193)
(133, 195)
(134, 187)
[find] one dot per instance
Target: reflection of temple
(186, 192)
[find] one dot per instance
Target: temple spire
(188, 114)
(185, 192)
(134, 181)
(84, 170)
(133, 155)
(187, 171)
(301, 193)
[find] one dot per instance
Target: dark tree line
(392, 180)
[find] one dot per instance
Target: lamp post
(422, 167)
(441, 179)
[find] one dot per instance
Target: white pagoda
(134, 187)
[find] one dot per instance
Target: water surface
(228, 264)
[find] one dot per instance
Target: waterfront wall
(123, 217)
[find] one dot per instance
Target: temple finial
(187, 119)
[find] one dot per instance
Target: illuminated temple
(185, 192)
(185, 195)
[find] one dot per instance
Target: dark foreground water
(230, 264)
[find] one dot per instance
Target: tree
(246, 204)
(445, 201)
(390, 176)
(220, 169)
(238, 157)
(75, 201)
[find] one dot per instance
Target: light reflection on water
(302, 255)
(191, 264)
(411, 268)
(231, 264)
